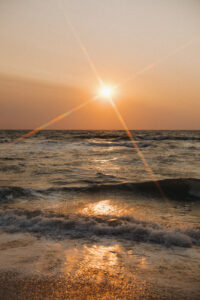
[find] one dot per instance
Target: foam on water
(61, 226)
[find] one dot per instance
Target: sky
(148, 48)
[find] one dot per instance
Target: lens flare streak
(148, 168)
(155, 63)
(80, 43)
(55, 120)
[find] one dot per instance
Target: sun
(106, 92)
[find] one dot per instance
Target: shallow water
(80, 206)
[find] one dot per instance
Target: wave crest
(60, 226)
(177, 189)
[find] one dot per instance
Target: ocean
(82, 216)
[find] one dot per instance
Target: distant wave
(138, 135)
(104, 135)
(181, 189)
(172, 138)
(121, 136)
(2, 141)
(119, 144)
(10, 193)
(176, 189)
(60, 226)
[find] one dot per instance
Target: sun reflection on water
(104, 207)
(101, 256)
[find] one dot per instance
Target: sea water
(84, 206)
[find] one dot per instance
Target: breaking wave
(60, 226)
(10, 193)
(176, 189)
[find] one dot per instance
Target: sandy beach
(111, 286)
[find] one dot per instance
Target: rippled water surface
(79, 211)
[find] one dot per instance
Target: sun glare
(106, 92)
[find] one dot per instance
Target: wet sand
(100, 285)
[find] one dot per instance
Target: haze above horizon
(44, 72)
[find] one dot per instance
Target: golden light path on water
(103, 207)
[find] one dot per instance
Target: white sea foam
(60, 226)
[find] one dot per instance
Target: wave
(177, 189)
(6, 158)
(172, 138)
(10, 193)
(122, 136)
(124, 144)
(2, 141)
(57, 135)
(60, 226)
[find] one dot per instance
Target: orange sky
(44, 71)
